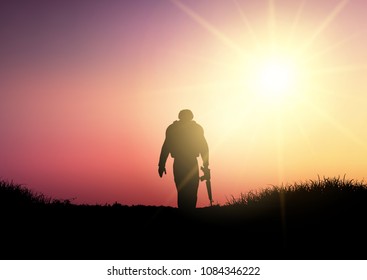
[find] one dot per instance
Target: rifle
(206, 177)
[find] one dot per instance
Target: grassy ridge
(321, 219)
(330, 190)
(14, 195)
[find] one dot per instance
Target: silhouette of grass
(313, 193)
(14, 195)
(316, 219)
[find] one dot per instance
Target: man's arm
(204, 150)
(205, 153)
(163, 157)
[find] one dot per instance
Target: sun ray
(271, 22)
(214, 62)
(205, 24)
(253, 137)
(330, 48)
(342, 129)
(295, 23)
(297, 121)
(302, 131)
(339, 69)
(235, 128)
(199, 88)
(247, 24)
(231, 127)
(328, 20)
(280, 171)
(280, 146)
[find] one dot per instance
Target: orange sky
(88, 89)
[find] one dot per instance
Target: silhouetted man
(185, 142)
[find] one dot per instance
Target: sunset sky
(88, 89)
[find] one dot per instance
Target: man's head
(185, 115)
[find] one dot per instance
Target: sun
(275, 76)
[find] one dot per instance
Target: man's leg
(186, 175)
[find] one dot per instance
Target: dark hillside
(314, 220)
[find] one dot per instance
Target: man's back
(185, 139)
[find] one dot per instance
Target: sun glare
(275, 77)
(276, 81)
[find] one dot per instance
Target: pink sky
(89, 87)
